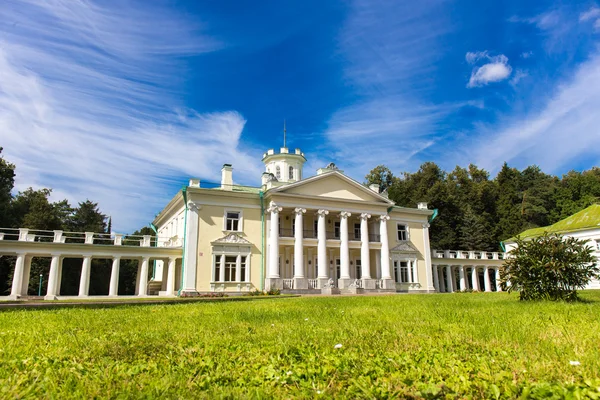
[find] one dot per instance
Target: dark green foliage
(33, 209)
(478, 212)
(549, 267)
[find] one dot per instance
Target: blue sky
(122, 102)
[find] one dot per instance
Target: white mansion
(320, 234)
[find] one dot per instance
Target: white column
(486, 279)
(190, 258)
(436, 278)
(52, 291)
(84, 280)
(17, 283)
(475, 278)
(344, 246)
(274, 209)
(238, 268)
(113, 289)
(497, 275)
(171, 277)
(222, 269)
(365, 260)
(26, 275)
(409, 269)
(323, 265)
(385, 248)
(427, 256)
(378, 264)
(463, 283)
(298, 243)
(143, 289)
(450, 278)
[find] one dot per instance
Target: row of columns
(440, 285)
(322, 272)
(22, 271)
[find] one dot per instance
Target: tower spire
(284, 133)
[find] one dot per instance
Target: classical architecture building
(321, 234)
(584, 224)
(301, 235)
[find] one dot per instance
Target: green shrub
(549, 267)
(274, 292)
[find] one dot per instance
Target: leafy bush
(255, 292)
(549, 267)
(274, 292)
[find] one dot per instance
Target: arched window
(278, 172)
(291, 173)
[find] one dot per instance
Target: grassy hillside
(484, 345)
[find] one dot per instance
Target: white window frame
(406, 230)
(240, 220)
(222, 251)
(290, 172)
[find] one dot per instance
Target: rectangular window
(404, 271)
(338, 268)
(230, 265)
(316, 227)
(232, 221)
(217, 268)
(243, 268)
(336, 230)
(357, 231)
(294, 227)
(396, 272)
(402, 232)
(358, 269)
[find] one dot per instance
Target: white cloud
(494, 71)
(592, 13)
(526, 54)
(473, 57)
(597, 24)
(391, 51)
(553, 137)
(89, 106)
(518, 76)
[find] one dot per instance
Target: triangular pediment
(232, 238)
(404, 247)
(333, 185)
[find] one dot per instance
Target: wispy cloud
(391, 51)
(591, 14)
(518, 76)
(89, 104)
(527, 54)
(557, 135)
(496, 70)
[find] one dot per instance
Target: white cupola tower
(285, 166)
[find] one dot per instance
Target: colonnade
(445, 278)
(22, 274)
(299, 274)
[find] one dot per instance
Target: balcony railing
(286, 232)
(310, 234)
(464, 254)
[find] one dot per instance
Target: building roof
(588, 218)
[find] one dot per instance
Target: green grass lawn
(447, 345)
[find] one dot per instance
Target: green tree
(7, 183)
(380, 175)
(474, 235)
(549, 267)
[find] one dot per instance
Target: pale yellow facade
(229, 244)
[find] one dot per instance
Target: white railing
(468, 255)
(59, 236)
(288, 283)
(313, 284)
